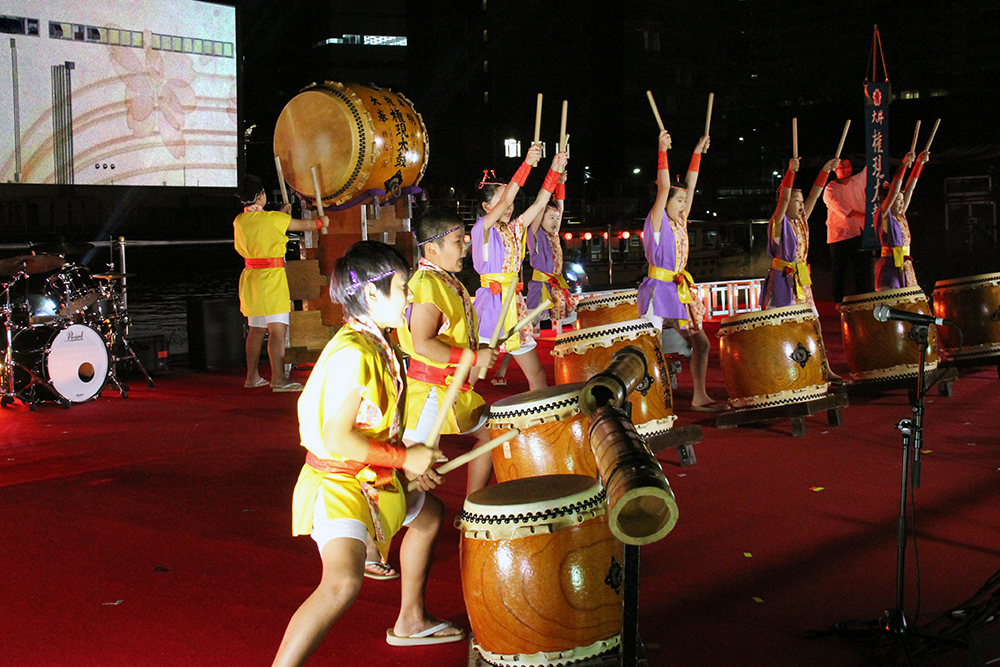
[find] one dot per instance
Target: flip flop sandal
(379, 571)
(428, 636)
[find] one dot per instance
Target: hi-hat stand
(893, 629)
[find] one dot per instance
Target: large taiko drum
(609, 307)
(973, 304)
(357, 137)
(541, 571)
(579, 355)
(885, 350)
(553, 438)
(772, 357)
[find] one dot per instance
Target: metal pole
(17, 111)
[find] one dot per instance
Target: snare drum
(609, 307)
(553, 438)
(972, 303)
(73, 359)
(885, 350)
(772, 357)
(357, 137)
(541, 571)
(579, 355)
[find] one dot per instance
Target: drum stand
(7, 393)
(894, 627)
(121, 350)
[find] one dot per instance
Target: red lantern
(568, 236)
(587, 236)
(626, 235)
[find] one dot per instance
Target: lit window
(512, 148)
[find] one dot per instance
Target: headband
(356, 285)
(445, 233)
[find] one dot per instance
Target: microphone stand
(894, 625)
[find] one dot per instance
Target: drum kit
(64, 329)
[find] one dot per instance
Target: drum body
(73, 288)
(541, 572)
(598, 308)
(553, 438)
(73, 359)
(972, 303)
(885, 350)
(579, 355)
(772, 357)
(357, 137)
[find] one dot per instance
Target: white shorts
(525, 347)
(261, 321)
(428, 414)
(325, 529)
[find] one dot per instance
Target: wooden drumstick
(508, 296)
(319, 197)
(562, 127)
(708, 115)
(933, 132)
(795, 138)
(656, 112)
(281, 181)
(538, 119)
(916, 131)
(526, 320)
(843, 137)
(457, 380)
(474, 453)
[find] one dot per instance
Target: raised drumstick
(319, 197)
(916, 131)
(795, 138)
(474, 453)
(656, 112)
(843, 136)
(562, 127)
(708, 114)
(461, 373)
(508, 296)
(933, 132)
(538, 119)
(526, 320)
(281, 181)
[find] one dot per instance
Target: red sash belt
(264, 262)
(383, 475)
(442, 377)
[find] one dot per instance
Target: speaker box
(216, 337)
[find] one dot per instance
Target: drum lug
(800, 355)
(616, 574)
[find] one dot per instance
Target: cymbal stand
(119, 330)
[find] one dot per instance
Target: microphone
(884, 313)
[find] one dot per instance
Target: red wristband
(455, 355)
(551, 180)
(560, 193)
(385, 454)
(788, 180)
(319, 224)
(918, 168)
(821, 179)
(521, 175)
(695, 162)
(661, 160)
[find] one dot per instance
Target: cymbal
(30, 264)
(112, 276)
(61, 248)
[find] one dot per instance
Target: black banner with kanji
(876, 156)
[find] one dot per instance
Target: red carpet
(155, 530)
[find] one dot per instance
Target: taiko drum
(358, 138)
(608, 307)
(541, 571)
(553, 438)
(772, 357)
(973, 304)
(579, 355)
(885, 350)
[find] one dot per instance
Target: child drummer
(497, 253)
(350, 421)
(894, 269)
(545, 249)
(441, 324)
(667, 296)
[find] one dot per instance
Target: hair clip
(487, 174)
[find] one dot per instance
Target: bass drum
(358, 138)
(74, 360)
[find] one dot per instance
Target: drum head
(536, 407)
(531, 494)
(77, 363)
